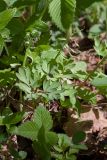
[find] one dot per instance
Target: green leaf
(51, 138)
(21, 3)
(2, 5)
(67, 12)
(13, 118)
(1, 44)
(49, 54)
(63, 141)
(28, 130)
(22, 154)
(55, 13)
(78, 137)
(71, 157)
(80, 146)
(39, 25)
(5, 17)
(24, 87)
(15, 26)
(22, 75)
(3, 137)
(52, 90)
(100, 82)
(70, 92)
(10, 2)
(79, 66)
(49, 87)
(7, 77)
(95, 29)
(45, 67)
(43, 118)
(81, 5)
(62, 12)
(41, 146)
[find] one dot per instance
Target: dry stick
(98, 65)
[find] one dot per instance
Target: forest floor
(93, 119)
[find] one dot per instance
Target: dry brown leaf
(91, 120)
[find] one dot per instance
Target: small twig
(98, 65)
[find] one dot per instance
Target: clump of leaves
(50, 77)
(45, 142)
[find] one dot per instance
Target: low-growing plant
(35, 72)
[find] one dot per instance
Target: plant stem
(24, 61)
(89, 76)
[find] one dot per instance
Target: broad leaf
(67, 12)
(41, 146)
(81, 5)
(5, 17)
(78, 137)
(55, 13)
(51, 138)
(13, 118)
(2, 5)
(28, 129)
(100, 82)
(43, 118)
(62, 12)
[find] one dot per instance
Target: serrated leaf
(55, 13)
(28, 130)
(67, 12)
(62, 12)
(43, 118)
